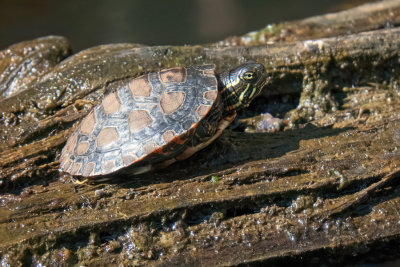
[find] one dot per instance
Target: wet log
(371, 16)
(322, 190)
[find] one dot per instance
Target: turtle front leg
(220, 128)
(191, 150)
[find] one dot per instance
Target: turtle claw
(78, 182)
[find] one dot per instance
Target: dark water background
(153, 22)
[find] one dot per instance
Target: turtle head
(241, 85)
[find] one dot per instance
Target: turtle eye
(249, 75)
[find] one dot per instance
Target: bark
(323, 190)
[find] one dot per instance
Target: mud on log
(323, 189)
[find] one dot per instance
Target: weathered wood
(23, 63)
(371, 16)
(323, 190)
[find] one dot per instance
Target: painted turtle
(159, 118)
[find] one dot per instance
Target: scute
(146, 121)
(174, 75)
(140, 86)
(111, 103)
(202, 110)
(88, 123)
(139, 119)
(168, 135)
(106, 137)
(171, 101)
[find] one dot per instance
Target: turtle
(153, 120)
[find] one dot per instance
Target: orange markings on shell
(75, 168)
(150, 147)
(209, 72)
(82, 148)
(202, 110)
(183, 138)
(66, 164)
(138, 120)
(88, 169)
(211, 95)
(128, 159)
(140, 86)
(111, 103)
(87, 124)
(62, 158)
(107, 136)
(168, 135)
(172, 101)
(108, 166)
(71, 143)
(174, 75)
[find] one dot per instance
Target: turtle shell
(148, 120)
